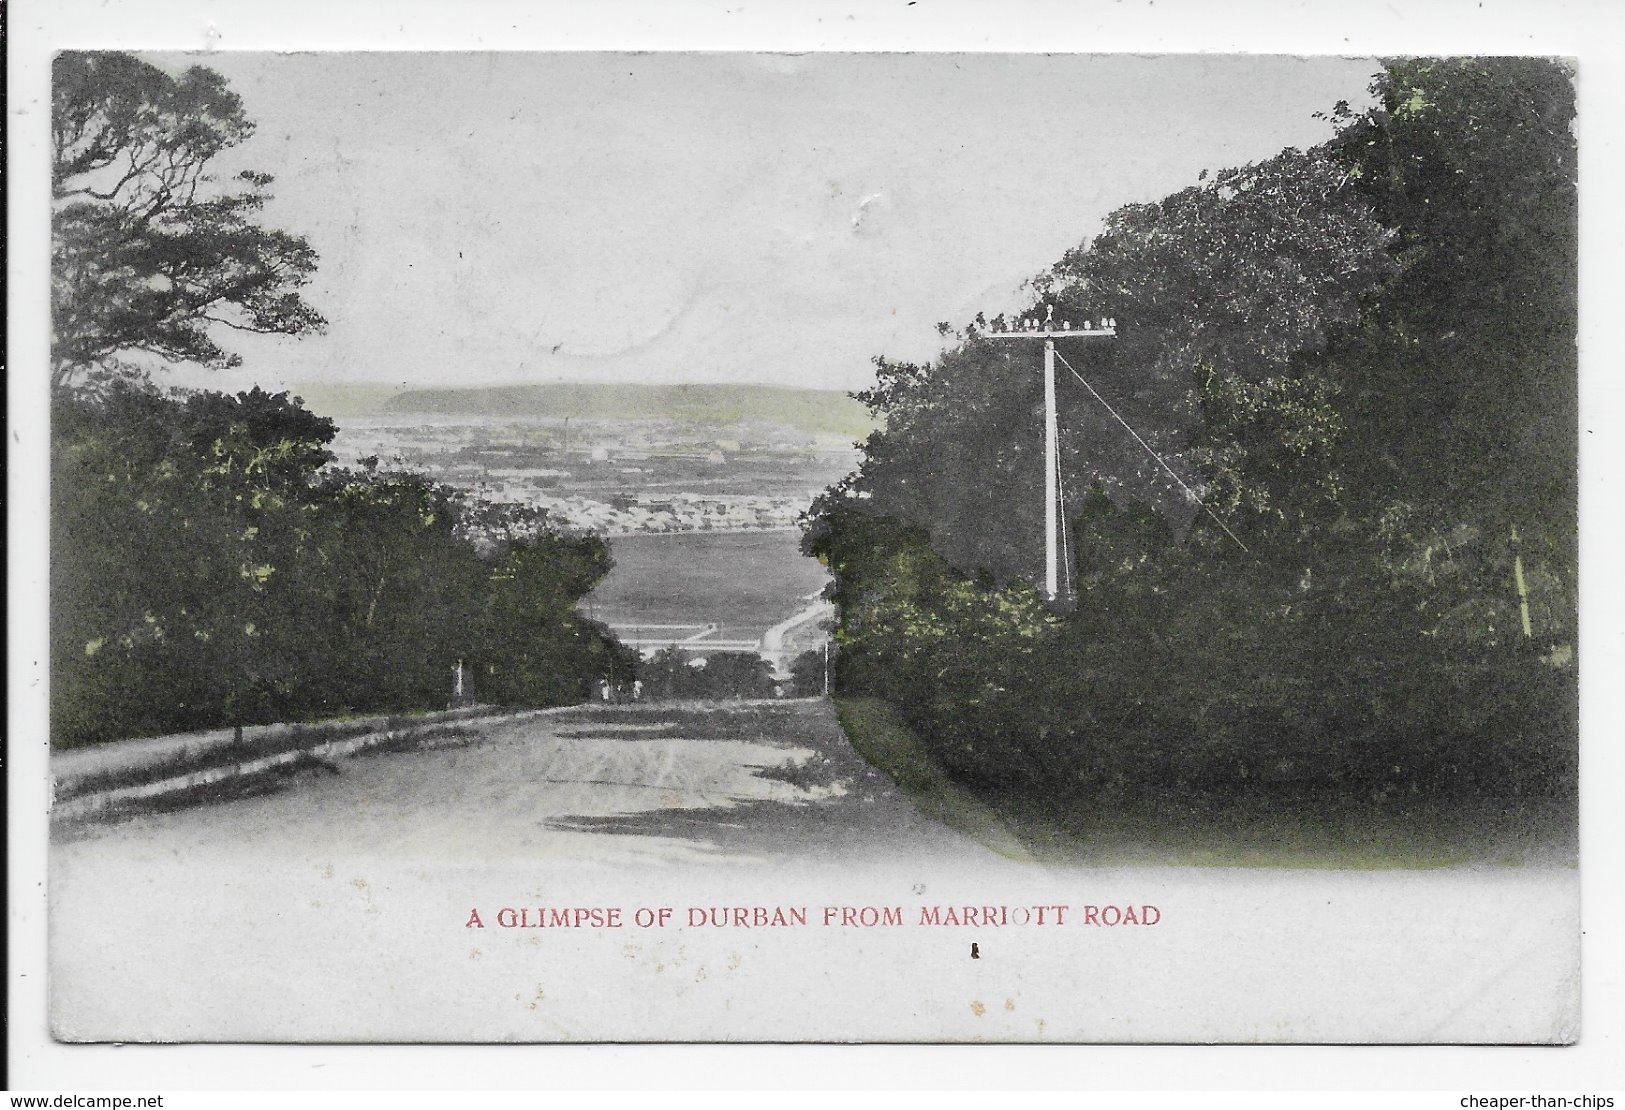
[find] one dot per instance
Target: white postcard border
(1591, 32)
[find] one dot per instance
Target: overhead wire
(1192, 494)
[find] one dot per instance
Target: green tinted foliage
(1224, 291)
(207, 569)
(1362, 359)
(1461, 393)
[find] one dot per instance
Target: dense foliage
(207, 569)
(673, 674)
(1358, 363)
(208, 566)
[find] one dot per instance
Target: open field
(745, 582)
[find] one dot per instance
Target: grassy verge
(1303, 833)
(1243, 834)
(1264, 831)
(875, 731)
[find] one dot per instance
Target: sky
(729, 217)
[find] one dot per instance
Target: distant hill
(345, 398)
(809, 410)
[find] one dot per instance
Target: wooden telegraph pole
(1052, 456)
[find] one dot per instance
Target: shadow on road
(853, 812)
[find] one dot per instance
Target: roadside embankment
(113, 776)
(875, 731)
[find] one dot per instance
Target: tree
(209, 568)
(530, 645)
(150, 251)
(1225, 291)
(177, 524)
(671, 673)
(1473, 161)
(1362, 358)
(808, 671)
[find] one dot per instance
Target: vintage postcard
(764, 547)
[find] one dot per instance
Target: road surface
(737, 873)
(745, 782)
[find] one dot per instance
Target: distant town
(612, 476)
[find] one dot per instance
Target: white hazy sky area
(514, 217)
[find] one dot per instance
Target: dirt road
(742, 782)
(735, 872)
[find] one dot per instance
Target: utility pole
(1052, 455)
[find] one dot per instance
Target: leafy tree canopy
(209, 567)
(1361, 358)
(151, 252)
(1223, 292)
(1461, 394)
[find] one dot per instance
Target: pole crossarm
(1046, 329)
(1058, 333)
